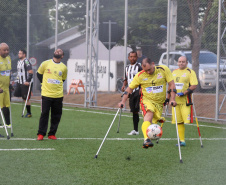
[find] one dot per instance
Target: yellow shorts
(183, 114)
(4, 99)
(156, 108)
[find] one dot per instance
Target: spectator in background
(24, 78)
(140, 55)
(134, 99)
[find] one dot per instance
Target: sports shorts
(156, 108)
(183, 114)
(22, 90)
(134, 101)
(4, 99)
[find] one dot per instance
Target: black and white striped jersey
(131, 71)
(23, 66)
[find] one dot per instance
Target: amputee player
(186, 82)
(153, 80)
(51, 73)
(134, 98)
(24, 78)
(5, 69)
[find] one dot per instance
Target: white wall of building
(76, 70)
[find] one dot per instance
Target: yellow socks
(144, 127)
(181, 131)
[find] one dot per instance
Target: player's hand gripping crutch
(178, 140)
(28, 93)
(4, 125)
(107, 133)
(196, 120)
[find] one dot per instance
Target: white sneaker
(133, 132)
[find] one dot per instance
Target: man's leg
(6, 114)
(44, 118)
(56, 112)
(135, 121)
(6, 105)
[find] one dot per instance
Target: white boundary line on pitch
(94, 112)
(26, 149)
(113, 139)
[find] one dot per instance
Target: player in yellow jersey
(51, 73)
(5, 68)
(153, 80)
(186, 82)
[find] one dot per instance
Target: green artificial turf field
(121, 160)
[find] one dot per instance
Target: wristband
(166, 101)
(189, 91)
(30, 75)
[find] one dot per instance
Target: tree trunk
(195, 57)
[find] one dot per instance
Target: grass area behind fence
(121, 160)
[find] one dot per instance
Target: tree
(200, 18)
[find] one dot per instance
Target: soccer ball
(154, 131)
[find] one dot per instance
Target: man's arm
(40, 77)
(190, 89)
(124, 85)
(173, 91)
(125, 97)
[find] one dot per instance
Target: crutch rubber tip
(22, 116)
(157, 142)
(95, 157)
(181, 161)
(12, 135)
(8, 137)
(117, 131)
(201, 146)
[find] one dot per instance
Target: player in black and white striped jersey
(134, 99)
(24, 78)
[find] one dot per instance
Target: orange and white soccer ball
(154, 131)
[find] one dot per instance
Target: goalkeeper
(5, 68)
(186, 82)
(152, 80)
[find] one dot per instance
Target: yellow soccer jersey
(53, 76)
(153, 86)
(183, 79)
(5, 68)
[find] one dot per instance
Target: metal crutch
(177, 134)
(106, 134)
(26, 98)
(11, 121)
(4, 125)
(196, 120)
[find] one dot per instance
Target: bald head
(4, 50)
(182, 62)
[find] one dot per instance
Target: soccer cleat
(147, 143)
(8, 126)
(182, 144)
(133, 132)
(52, 137)
(28, 115)
(40, 137)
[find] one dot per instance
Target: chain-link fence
(194, 28)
